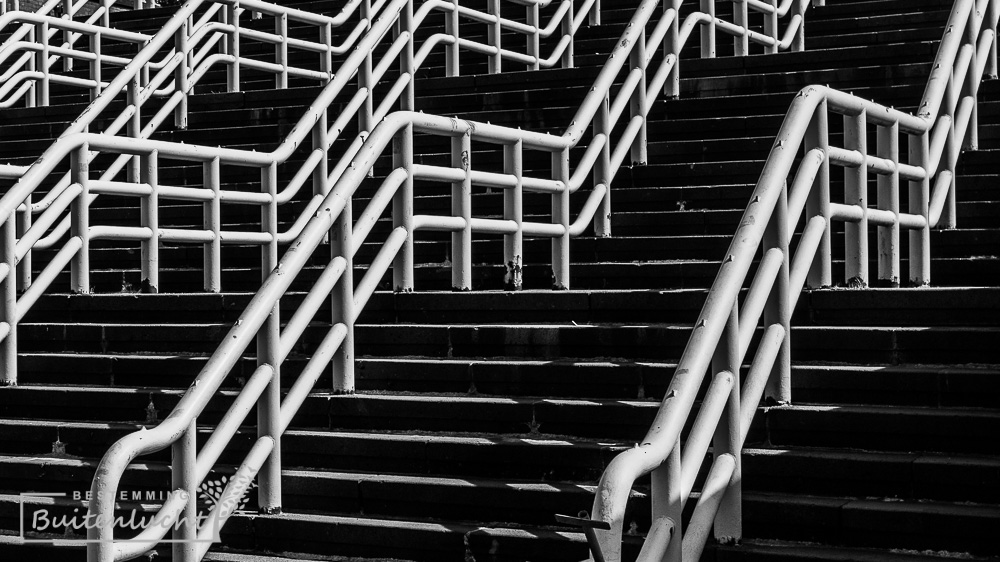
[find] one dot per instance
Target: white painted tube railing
(27, 77)
(273, 414)
(206, 29)
(945, 123)
(134, 80)
(331, 215)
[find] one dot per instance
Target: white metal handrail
(33, 35)
(195, 37)
(230, 55)
(273, 347)
(70, 194)
(261, 320)
(32, 237)
(946, 120)
(29, 76)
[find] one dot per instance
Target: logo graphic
(210, 493)
(63, 518)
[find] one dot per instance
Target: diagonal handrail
(945, 122)
(62, 197)
(333, 213)
(42, 27)
(175, 76)
(78, 145)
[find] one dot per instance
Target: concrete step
(901, 429)
(647, 340)
(876, 307)
(812, 382)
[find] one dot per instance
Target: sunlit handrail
(233, 59)
(13, 81)
(55, 202)
(99, 18)
(204, 35)
(945, 122)
(210, 158)
(333, 211)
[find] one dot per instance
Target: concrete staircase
(481, 414)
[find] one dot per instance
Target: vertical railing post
(407, 100)
(918, 147)
(402, 210)
(452, 28)
(23, 223)
(797, 9)
(888, 199)
(31, 96)
(80, 219)
(365, 79)
(212, 222)
(150, 252)
(777, 309)
(326, 57)
(949, 157)
(672, 46)
(181, 74)
(233, 13)
(533, 38)
(637, 103)
(771, 27)
(281, 50)
(269, 218)
(595, 14)
(970, 88)
(67, 35)
(741, 17)
(268, 338)
(729, 519)
(8, 303)
(818, 201)
(342, 299)
(513, 210)
(183, 461)
(991, 20)
(42, 34)
(321, 143)
(134, 127)
(708, 30)
(856, 193)
(461, 206)
(144, 71)
(95, 66)
(560, 215)
(665, 491)
(493, 37)
(602, 171)
(106, 14)
(567, 31)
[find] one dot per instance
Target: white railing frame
(332, 217)
(55, 203)
(186, 76)
(326, 212)
(945, 123)
(273, 345)
(186, 71)
(31, 31)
